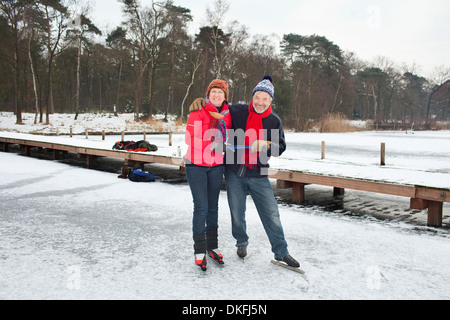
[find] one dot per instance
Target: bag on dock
(139, 175)
(140, 146)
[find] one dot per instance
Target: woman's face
(217, 97)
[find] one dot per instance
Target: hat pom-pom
(268, 78)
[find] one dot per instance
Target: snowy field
(72, 233)
(61, 123)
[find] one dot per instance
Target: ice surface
(73, 233)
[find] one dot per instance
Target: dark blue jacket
(273, 131)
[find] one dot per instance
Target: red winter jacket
(201, 132)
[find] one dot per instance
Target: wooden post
(338, 191)
(298, 192)
(123, 136)
(323, 150)
(103, 135)
(170, 139)
(132, 163)
(89, 161)
(383, 154)
(145, 136)
(435, 214)
(71, 131)
(27, 150)
(87, 134)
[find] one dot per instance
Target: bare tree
(175, 39)
(79, 27)
(216, 14)
(439, 78)
(144, 27)
(195, 65)
(14, 10)
(117, 41)
(55, 24)
(29, 21)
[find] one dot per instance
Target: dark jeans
(205, 184)
(262, 193)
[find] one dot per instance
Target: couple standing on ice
(249, 135)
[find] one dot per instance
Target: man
(256, 136)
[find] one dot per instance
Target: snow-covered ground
(73, 233)
(93, 122)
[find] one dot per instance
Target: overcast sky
(405, 31)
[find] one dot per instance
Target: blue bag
(139, 175)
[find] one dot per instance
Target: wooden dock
(421, 197)
(131, 158)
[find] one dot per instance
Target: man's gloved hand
(260, 146)
(198, 104)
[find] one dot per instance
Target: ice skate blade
(217, 261)
(283, 265)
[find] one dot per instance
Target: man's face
(261, 101)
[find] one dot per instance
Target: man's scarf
(253, 132)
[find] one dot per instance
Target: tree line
(53, 58)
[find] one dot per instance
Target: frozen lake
(72, 233)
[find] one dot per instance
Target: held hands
(198, 104)
(260, 146)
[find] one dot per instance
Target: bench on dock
(421, 197)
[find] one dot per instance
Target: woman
(205, 136)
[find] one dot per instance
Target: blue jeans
(262, 193)
(205, 184)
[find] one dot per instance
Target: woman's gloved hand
(197, 105)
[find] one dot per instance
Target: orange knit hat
(220, 84)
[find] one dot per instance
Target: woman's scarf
(218, 122)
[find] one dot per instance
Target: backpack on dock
(140, 146)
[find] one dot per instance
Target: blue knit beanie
(265, 86)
